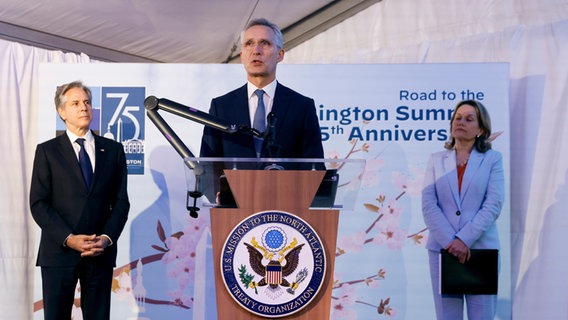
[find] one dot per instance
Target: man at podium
(286, 118)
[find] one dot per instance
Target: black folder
(478, 275)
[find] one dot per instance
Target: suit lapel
(100, 156)
(280, 103)
(450, 171)
(66, 151)
(241, 107)
(239, 115)
(473, 164)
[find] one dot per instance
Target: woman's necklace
(462, 159)
(462, 163)
(462, 155)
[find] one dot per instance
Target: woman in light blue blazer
(461, 201)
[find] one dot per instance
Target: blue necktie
(259, 120)
(85, 162)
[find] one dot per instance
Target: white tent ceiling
(171, 31)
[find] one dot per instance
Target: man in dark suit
(296, 131)
(292, 129)
(81, 210)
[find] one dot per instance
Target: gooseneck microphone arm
(153, 104)
(190, 113)
(170, 135)
(182, 150)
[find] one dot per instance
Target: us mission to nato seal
(273, 264)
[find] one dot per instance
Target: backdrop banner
(392, 115)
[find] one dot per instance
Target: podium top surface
(360, 162)
(339, 187)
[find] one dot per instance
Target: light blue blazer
(470, 215)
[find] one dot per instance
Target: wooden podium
(290, 191)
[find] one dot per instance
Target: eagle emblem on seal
(273, 264)
(282, 262)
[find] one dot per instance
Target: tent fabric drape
(531, 35)
(533, 38)
(19, 122)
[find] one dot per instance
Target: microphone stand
(153, 104)
(184, 152)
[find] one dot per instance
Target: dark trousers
(59, 283)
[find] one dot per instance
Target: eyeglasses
(263, 44)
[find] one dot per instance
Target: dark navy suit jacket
(61, 204)
(297, 133)
(297, 127)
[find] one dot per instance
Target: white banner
(393, 116)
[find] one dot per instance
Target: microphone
(152, 103)
(270, 135)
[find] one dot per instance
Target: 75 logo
(122, 113)
(122, 120)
